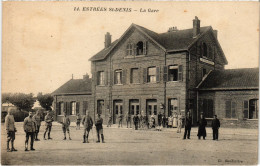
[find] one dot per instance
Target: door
(118, 108)
(151, 108)
(134, 107)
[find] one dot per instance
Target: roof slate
(247, 78)
(75, 86)
(177, 40)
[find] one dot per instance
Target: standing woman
(202, 127)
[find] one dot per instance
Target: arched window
(204, 50)
(140, 48)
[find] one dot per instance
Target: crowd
(32, 125)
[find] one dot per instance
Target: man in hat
(136, 121)
(87, 123)
(10, 130)
(78, 121)
(48, 123)
(29, 127)
(99, 128)
(120, 119)
(188, 123)
(66, 125)
(128, 120)
(160, 121)
(37, 119)
(109, 119)
(202, 123)
(215, 126)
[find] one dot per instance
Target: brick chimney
(172, 29)
(196, 27)
(107, 40)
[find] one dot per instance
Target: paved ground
(142, 147)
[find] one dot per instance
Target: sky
(44, 43)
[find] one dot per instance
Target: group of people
(32, 125)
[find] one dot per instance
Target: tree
(6, 97)
(45, 100)
(22, 100)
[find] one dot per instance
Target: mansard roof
(180, 40)
(231, 79)
(75, 87)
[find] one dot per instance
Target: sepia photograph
(130, 83)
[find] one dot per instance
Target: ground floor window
(172, 106)
(73, 108)
(151, 107)
(251, 108)
(61, 108)
(100, 106)
(230, 109)
(206, 106)
(134, 107)
(85, 107)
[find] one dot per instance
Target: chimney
(172, 29)
(215, 33)
(107, 40)
(196, 27)
(86, 77)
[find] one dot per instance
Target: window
(140, 48)
(100, 106)
(230, 109)
(85, 107)
(101, 78)
(204, 72)
(204, 50)
(251, 108)
(151, 75)
(173, 73)
(134, 106)
(172, 106)
(130, 49)
(73, 108)
(135, 78)
(118, 77)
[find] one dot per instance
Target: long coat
(9, 123)
(29, 125)
(188, 123)
(87, 122)
(215, 124)
(202, 127)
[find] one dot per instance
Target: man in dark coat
(136, 121)
(202, 127)
(159, 121)
(87, 123)
(187, 124)
(215, 126)
(99, 128)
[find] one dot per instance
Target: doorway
(118, 108)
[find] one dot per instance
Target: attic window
(140, 48)
(204, 50)
(130, 49)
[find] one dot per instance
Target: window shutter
(180, 71)
(97, 78)
(145, 75)
(124, 76)
(210, 108)
(114, 80)
(233, 110)
(65, 107)
(245, 111)
(105, 77)
(77, 108)
(157, 74)
(134, 50)
(85, 107)
(165, 73)
(228, 109)
(57, 108)
(145, 47)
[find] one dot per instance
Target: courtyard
(135, 147)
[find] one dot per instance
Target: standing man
(99, 128)
(188, 123)
(37, 119)
(87, 123)
(48, 123)
(215, 126)
(120, 118)
(29, 127)
(136, 121)
(10, 130)
(202, 127)
(109, 119)
(159, 121)
(78, 121)
(66, 125)
(128, 120)
(179, 123)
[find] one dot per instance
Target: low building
(74, 97)
(233, 95)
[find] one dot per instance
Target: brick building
(74, 97)
(148, 72)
